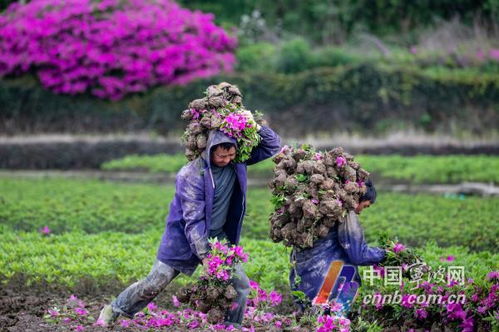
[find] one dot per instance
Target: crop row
(93, 207)
(417, 169)
(67, 258)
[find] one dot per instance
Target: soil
(22, 308)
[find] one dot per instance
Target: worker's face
(362, 205)
(221, 157)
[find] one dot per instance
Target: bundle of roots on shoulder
(316, 189)
(204, 115)
(203, 296)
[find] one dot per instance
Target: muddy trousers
(138, 295)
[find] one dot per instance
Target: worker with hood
(209, 202)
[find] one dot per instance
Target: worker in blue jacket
(345, 242)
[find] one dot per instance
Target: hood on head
(216, 137)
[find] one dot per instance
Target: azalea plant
(213, 293)
(222, 110)
(312, 190)
(111, 48)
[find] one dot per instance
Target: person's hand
(248, 115)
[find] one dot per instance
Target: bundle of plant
(213, 293)
(221, 109)
(397, 254)
(311, 191)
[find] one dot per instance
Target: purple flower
(449, 258)
(421, 314)
(315, 201)
(53, 312)
(275, 298)
(317, 156)
(253, 284)
(493, 275)
(125, 323)
(81, 311)
(79, 328)
(398, 247)
(340, 161)
(45, 230)
(152, 306)
(175, 301)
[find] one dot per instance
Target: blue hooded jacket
(185, 240)
(345, 242)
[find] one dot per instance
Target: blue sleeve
(269, 146)
(191, 192)
(351, 238)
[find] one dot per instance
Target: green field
(104, 235)
(417, 169)
(93, 207)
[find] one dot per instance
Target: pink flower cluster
(398, 247)
(480, 302)
(260, 298)
(222, 260)
(327, 323)
(73, 314)
(234, 124)
(157, 319)
(111, 48)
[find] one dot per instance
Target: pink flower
(340, 161)
(317, 156)
(53, 312)
(336, 307)
(421, 314)
(315, 201)
(449, 258)
(398, 247)
(175, 301)
(405, 301)
(79, 328)
(493, 275)
(125, 323)
(194, 324)
(223, 275)
(100, 322)
(45, 230)
(81, 311)
(253, 284)
(152, 306)
(275, 298)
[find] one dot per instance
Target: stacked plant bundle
(213, 293)
(311, 191)
(221, 109)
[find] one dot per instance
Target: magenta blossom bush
(111, 48)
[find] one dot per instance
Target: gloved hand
(250, 117)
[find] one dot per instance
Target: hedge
(365, 98)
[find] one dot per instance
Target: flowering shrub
(111, 47)
(312, 190)
(431, 297)
(222, 110)
(213, 293)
